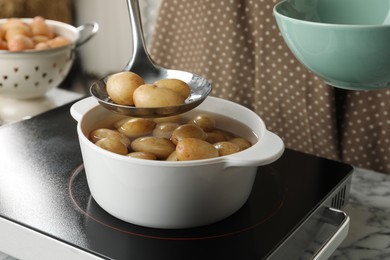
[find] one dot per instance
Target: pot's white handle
(267, 150)
(78, 109)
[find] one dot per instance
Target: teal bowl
(345, 42)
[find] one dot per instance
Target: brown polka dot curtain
(237, 46)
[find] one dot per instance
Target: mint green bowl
(345, 42)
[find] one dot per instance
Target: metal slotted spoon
(142, 64)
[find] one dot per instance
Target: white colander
(30, 74)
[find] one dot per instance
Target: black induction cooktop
(43, 189)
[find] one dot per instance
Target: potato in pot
(160, 147)
(178, 138)
(165, 129)
(101, 133)
(204, 121)
(241, 142)
(142, 155)
(187, 131)
(195, 149)
(136, 127)
(226, 148)
(112, 145)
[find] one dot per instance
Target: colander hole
(16, 85)
(16, 69)
(44, 75)
(5, 77)
(50, 81)
(36, 68)
(36, 84)
(26, 77)
(54, 65)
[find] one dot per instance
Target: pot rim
(268, 147)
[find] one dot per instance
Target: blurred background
(107, 52)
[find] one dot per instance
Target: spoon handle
(140, 59)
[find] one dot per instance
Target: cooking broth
(227, 124)
(233, 127)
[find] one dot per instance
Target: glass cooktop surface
(43, 187)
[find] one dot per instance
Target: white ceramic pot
(163, 194)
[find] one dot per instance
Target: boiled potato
(20, 43)
(195, 149)
(186, 131)
(136, 127)
(112, 145)
(149, 95)
(119, 123)
(160, 147)
(241, 142)
(58, 42)
(101, 133)
(172, 157)
(218, 135)
(176, 138)
(38, 32)
(215, 137)
(204, 121)
(39, 39)
(142, 155)
(12, 22)
(176, 85)
(164, 130)
(121, 86)
(226, 148)
(41, 46)
(15, 30)
(39, 27)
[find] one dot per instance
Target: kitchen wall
(110, 50)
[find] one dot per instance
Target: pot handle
(78, 109)
(86, 32)
(267, 150)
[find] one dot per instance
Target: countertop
(368, 206)
(369, 211)
(12, 110)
